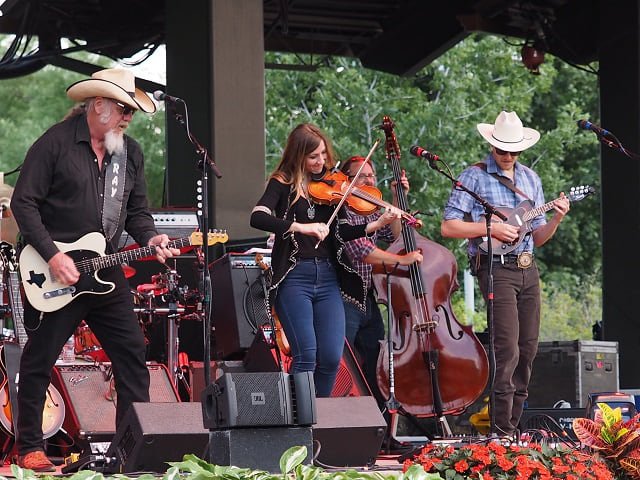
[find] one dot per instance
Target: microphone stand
(205, 162)
(489, 211)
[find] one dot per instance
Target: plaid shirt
(460, 204)
(358, 249)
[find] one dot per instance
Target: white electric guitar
(47, 294)
(54, 409)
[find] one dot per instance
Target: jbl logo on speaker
(259, 399)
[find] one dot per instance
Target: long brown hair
(302, 140)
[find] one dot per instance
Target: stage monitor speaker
(90, 399)
(349, 431)
(257, 448)
(216, 370)
(259, 400)
(152, 434)
(238, 305)
(558, 421)
(350, 381)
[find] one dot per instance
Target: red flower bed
(493, 461)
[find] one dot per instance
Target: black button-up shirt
(59, 193)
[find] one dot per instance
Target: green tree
(439, 108)
(30, 105)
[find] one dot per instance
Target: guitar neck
(17, 309)
(534, 212)
(100, 262)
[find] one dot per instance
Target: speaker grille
(90, 399)
(260, 399)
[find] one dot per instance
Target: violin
(280, 337)
(363, 200)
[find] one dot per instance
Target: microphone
(587, 125)
(160, 96)
(421, 152)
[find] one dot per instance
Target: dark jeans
(364, 331)
(516, 325)
(309, 306)
(114, 324)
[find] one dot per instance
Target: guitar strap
(114, 192)
(507, 182)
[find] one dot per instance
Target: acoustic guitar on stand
(54, 410)
(522, 215)
(47, 294)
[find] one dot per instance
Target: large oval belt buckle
(524, 260)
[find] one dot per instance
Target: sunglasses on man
(504, 152)
(124, 109)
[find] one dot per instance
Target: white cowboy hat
(508, 133)
(115, 83)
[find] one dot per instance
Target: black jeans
(364, 332)
(516, 325)
(114, 324)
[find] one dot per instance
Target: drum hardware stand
(173, 340)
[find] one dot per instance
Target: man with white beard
(84, 175)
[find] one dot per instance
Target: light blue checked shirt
(476, 179)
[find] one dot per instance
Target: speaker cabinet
(257, 448)
(90, 398)
(152, 434)
(259, 400)
(238, 305)
(556, 420)
(349, 431)
(216, 370)
(350, 381)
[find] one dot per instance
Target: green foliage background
(438, 108)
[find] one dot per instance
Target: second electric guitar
(47, 294)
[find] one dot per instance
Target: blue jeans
(310, 310)
(364, 331)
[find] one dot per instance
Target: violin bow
(351, 186)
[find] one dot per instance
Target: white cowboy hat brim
(529, 138)
(100, 87)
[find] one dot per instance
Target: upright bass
(439, 366)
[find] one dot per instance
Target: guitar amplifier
(176, 223)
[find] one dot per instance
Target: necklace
(311, 211)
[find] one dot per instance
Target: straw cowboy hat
(508, 133)
(115, 83)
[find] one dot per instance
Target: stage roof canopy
(396, 36)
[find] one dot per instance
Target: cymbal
(128, 271)
(151, 287)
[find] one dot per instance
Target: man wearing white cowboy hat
(84, 175)
(504, 182)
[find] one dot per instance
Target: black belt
(511, 259)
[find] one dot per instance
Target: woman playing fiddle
(311, 273)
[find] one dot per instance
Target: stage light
(532, 58)
(625, 401)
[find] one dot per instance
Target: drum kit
(161, 299)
